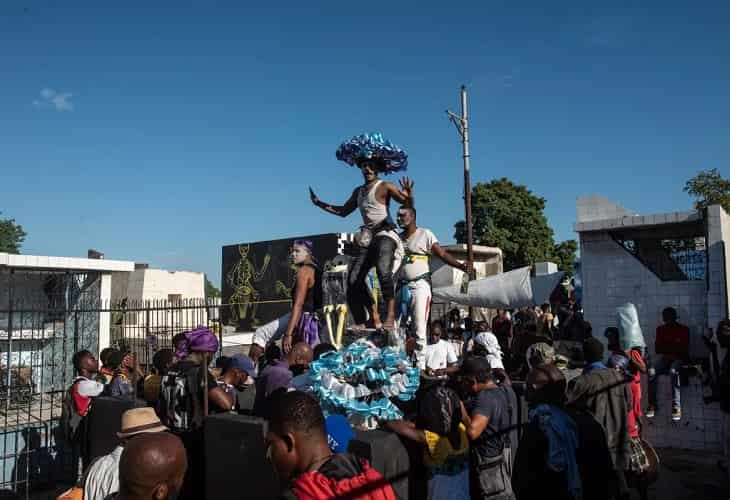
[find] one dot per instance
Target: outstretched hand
(313, 197)
(406, 185)
(286, 344)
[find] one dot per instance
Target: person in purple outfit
(301, 324)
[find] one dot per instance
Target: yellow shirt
(439, 449)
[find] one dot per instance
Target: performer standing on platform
(376, 240)
(415, 276)
(301, 324)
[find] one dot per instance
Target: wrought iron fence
(37, 342)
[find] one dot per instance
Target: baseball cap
(339, 432)
(243, 363)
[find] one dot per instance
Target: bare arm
(475, 424)
(305, 278)
(403, 195)
(407, 430)
(449, 259)
(451, 369)
(341, 210)
(220, 398)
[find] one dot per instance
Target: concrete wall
(157, 284)
(611, 277)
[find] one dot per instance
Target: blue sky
(159, 134)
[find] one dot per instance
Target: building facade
(677, 260)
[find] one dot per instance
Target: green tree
(511, 217)
(11, 236)
(563, 255)
(709, 188)
(210, 289)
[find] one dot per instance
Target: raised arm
(342, 210)
(404, 194)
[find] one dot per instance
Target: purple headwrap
(308, 245)
(199, 340)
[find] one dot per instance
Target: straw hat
(138, 421)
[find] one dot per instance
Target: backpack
(70, 418)
(179, 406)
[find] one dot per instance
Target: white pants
(419, 308)
(271, 331)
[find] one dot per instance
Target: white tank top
(373, 212)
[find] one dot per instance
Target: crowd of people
(580, 439)
(582, 436)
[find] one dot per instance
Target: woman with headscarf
(439, 430)
(188, 391)
(301, 324)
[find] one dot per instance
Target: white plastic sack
(629, 329)
(510, 290)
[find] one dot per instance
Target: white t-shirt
(439, 355)
(420, 242)
(102, 478)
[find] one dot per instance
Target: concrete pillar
(105, 295)
(718, 240)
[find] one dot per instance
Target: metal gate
(37, 342)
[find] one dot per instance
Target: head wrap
(373, 146)
(199, 340)
(308, 245)
(490, 343)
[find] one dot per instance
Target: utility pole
(462, 126)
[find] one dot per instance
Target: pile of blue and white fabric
(360, 380)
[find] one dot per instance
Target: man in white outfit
(419, 245)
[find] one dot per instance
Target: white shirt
(88, 388)
(420, 243)
(439, 355)
(102, 479)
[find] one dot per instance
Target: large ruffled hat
(389, 157)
